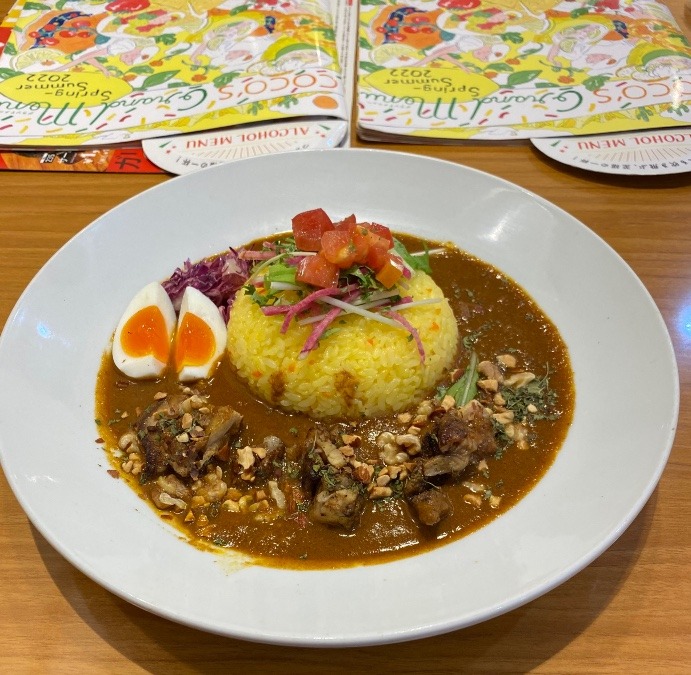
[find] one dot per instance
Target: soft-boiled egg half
(149, 333)
(142, 340)
(200, 338)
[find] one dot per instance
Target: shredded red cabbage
(219, 278)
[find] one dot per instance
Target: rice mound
(365, 368)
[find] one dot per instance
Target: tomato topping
(308, 228)
(391, 271)
(377, 258)
(382, 231)
(338, 248)
(318, 271)
(365, 239)
(346, 223)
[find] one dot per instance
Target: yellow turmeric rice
(362, 368)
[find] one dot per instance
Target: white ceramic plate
(625, 376)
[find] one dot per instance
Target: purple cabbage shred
(219, 278)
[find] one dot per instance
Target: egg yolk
(195, 343)
(145, 334)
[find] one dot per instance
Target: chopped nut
(448, 402)
(507, 360)
(494, 501)
(488, 385)
(410, 442)
(231, 505)
(473, 500)
(334, 456)
(259, 506)
(352, 440)
(380, 492)
(385, 438)
(425, 408)
(184, 437)
(504, 417)
(383, 479)
(404, 418)
(186, 421)
(531, 408)
(260, 451)
(160, 395)
(277, 494)
(245, 457)
(414, 430)
(189, 517)
(347, 451)
(244, 502)
(518, 380)
(127, 439)
(490, 371)
(499, 400)
(394, 471)
(363, 473)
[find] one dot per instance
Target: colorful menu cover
(78, 73)
(445, 70)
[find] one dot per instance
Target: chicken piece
(339, 501)
(431, 506)
(184, 435)
(466, 431)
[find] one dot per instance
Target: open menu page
(445, 70)
(97, 72)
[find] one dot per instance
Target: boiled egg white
(143, 338)
(200, 337)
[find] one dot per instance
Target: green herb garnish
(416, 262)
(464, 390)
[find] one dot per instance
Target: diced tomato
(377, 258)
(317, 271)
(346, 223)
(391, 271)
(365, 239)
(382, 231)
(338, 248)
(308, 228)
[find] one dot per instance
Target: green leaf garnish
(465, 389)
(279, 271)
(416, 262)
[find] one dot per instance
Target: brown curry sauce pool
(495, 316)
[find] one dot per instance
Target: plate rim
(415, 633)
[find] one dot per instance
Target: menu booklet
(446, 70)
(77, 73)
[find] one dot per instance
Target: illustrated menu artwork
(508, 69)
(80, 72)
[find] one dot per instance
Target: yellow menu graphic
(506, 69)
(79, 72)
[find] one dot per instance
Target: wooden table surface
(629, 611)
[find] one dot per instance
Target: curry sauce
(495, 317)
